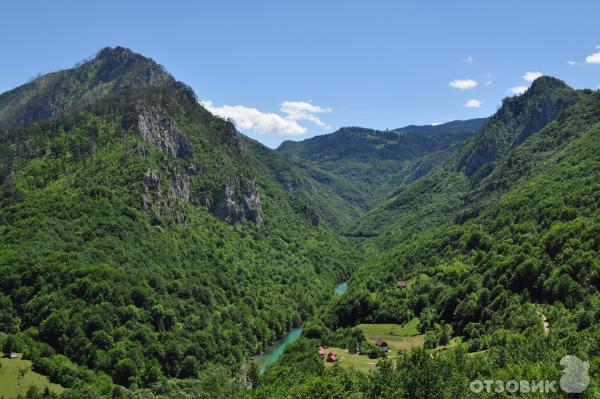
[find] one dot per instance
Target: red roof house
(401, 284)
(321, 352)
(332, 357)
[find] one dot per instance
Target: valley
(150, 250)
(275, 350)
(472, 250)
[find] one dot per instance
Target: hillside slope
(110, 72)
(462, 186)
(144, 241)
(365, 166)
(500, 260)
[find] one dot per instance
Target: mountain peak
(545, 83)
(121, 62)
(109, 52)
(517, 119)
(122, 56)
(111, 72)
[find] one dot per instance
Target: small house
(13, 355)
(382, 344)
(321, 352)
(332, 357)
(401, 284)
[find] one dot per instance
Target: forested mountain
(365, 166)
(148, 249)
(499, 247)
(144, 241)
(110, 72)
(482, 169)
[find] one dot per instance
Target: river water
(273, 352)
(340, 289)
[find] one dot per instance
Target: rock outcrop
(238, 203)
(169, 200)
(152, 192)
(180, 187)
(161, 132)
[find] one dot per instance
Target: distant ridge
(364, 166)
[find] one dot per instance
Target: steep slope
(458, 189)
(119, 71)
(364, 166)
(488, 249)
(111, 72)
(548, 180)
(515, 279)
(144, 240)
(321, 201)
(518, 118)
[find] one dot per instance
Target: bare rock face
(152, 193)
(180, 187)
(236, 203)
(161, 132)
(483, 154)
(169, 200)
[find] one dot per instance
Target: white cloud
(593, 59)
(488, 83)
(572, 63)
(517, 90)
(269, 123)
(465, 84)
(598, 46)
(472, 103)
(468, 60)
(531, 76)
(436, 123)
(300, 110)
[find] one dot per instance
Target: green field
(400, 336)
(390, 331)
(358, 362)
(16, 377)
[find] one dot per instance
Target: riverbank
(274, 351)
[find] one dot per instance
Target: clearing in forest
(16, 376)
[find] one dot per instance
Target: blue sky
(291, 70)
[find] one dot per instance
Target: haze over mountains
(149, 249)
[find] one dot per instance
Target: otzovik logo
(575, 377)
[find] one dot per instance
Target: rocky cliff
(238, 202)
(163, 134)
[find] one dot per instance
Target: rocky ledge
(238, 203)
(161, 132)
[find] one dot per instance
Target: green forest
(149, 250)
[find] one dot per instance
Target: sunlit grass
(16, 376)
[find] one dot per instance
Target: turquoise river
(273, 352)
